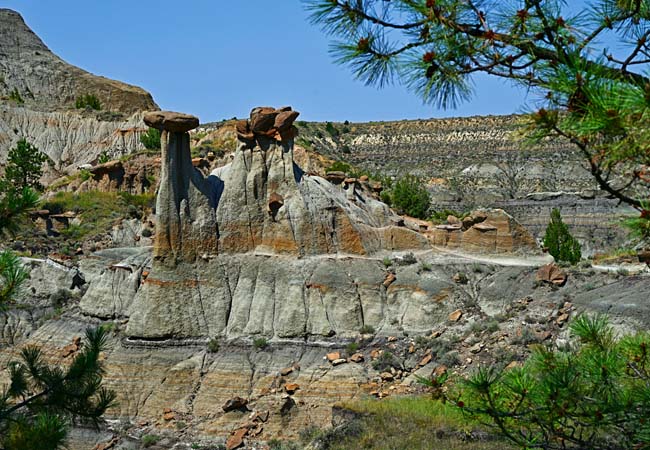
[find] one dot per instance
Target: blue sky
(218, 59)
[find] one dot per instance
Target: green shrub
(640, 226)
(260, 343)
(149, 439)
(594, 394)
(387, 262)
(352, 348)
(85, 174)
(440, 216)
(151, 139)
(14, 95)
(104, 157)
(367, 329)
(410, 196)
(88, 101)
(213, 345)
(385, 361)
(331, 129)
(339, 166)
(559, 242)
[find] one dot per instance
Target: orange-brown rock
(234, 404)
(357, 358)
(551, 273)
(333, 356)
(456, 315)
(390, 278)
(174, 122)
(485, 231)
(236, 439)
(426, 360)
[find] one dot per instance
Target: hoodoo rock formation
(253, 247)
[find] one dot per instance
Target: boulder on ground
(551, 273)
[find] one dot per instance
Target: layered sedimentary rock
(255, 247)
(490, 231)
(38, 91)
(69, 139)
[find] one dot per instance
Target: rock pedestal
(253, 248)
(186, 225)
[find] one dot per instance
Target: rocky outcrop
(69, 139)
(490, 231)
(256, 247)
(45, 82)
(38, 92)
(263, 202)
(186, 202)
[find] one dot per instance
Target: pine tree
(25, 166)
(587, 68)
(12, 276)
(42, 400)
(151, 139)
(593, 394)
(14, 204)
(559, 241)
(410, 196)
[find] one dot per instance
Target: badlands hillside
(252, 299)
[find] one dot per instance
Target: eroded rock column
(185, 225)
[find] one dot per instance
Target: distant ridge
(45, 82)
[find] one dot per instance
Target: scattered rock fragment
(551, 273)
(387, 376)
(455, 315)
(259, 416)
(513, 364)
(338, 362)
(426, 360)
(72, 348)
(357, 358)
(236, 439)
(439, 371)
(235, 403)
(291, 388)
(390, 278)
(168, 414)
(562, 318)
(331, 357)
(476, 348)
(460, 278)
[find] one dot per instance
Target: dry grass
(412, 423)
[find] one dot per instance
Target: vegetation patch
(88, 101)
(97, 211)
(559, 241)
(411, 423)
